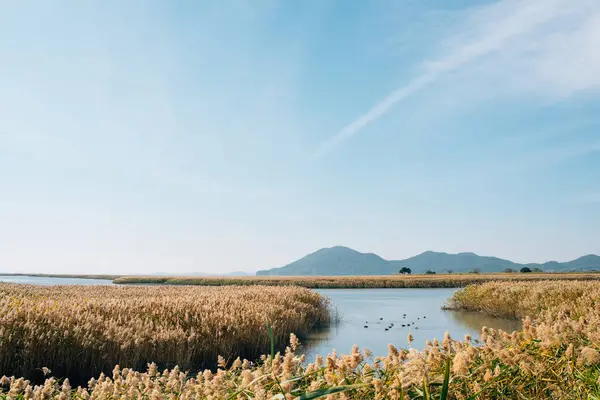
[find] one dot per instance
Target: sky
(149, 136)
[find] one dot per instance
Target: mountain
(336, 260)
(234, 273)
(340, 260)
(461, 262)
(591, 261)
(238, 273)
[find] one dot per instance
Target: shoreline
(357, 282)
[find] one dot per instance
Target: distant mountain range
(235, 273)
(341, 260)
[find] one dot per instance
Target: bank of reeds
(519, 300)
(526, 365)
(357, 282)
(555, 356)
(79, 332)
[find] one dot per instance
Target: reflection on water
(475, 321)
(373, 318)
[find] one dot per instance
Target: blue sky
(147, 136)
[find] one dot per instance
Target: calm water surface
(365, 307)
(42, 280)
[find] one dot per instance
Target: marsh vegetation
(554, 355)
(79, 332)
(350, 282)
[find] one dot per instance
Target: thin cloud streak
(374, 113)
(492, 27)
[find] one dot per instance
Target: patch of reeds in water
(79, 331)
(520, 299)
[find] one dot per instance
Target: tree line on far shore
(524, 270)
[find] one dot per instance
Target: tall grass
(80, 332)
(550, 299)
(555, 356)
(351, 282)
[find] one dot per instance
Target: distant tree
(475, 271)
(509, 270)
(430, 272)
(450, 271)
(536, 269)
(525, 270)
(405, 270)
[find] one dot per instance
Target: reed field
(555, 356)
(80, 332)
(357, 282)
(550, 299)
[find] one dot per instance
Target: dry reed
(384, 281)
(555, 355)
(81, 331)
(520, 300)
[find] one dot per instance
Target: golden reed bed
(385, 281)
(547, 300)
(80, 331)
(555, 356)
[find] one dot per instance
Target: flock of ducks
(391, 325)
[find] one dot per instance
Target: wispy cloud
(548, 44)
(374, 113)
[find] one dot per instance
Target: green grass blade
(425, 390)
(272, 338)
(446, 384)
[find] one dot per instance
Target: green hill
(336, 260)
(339, 260)
(461, 262)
